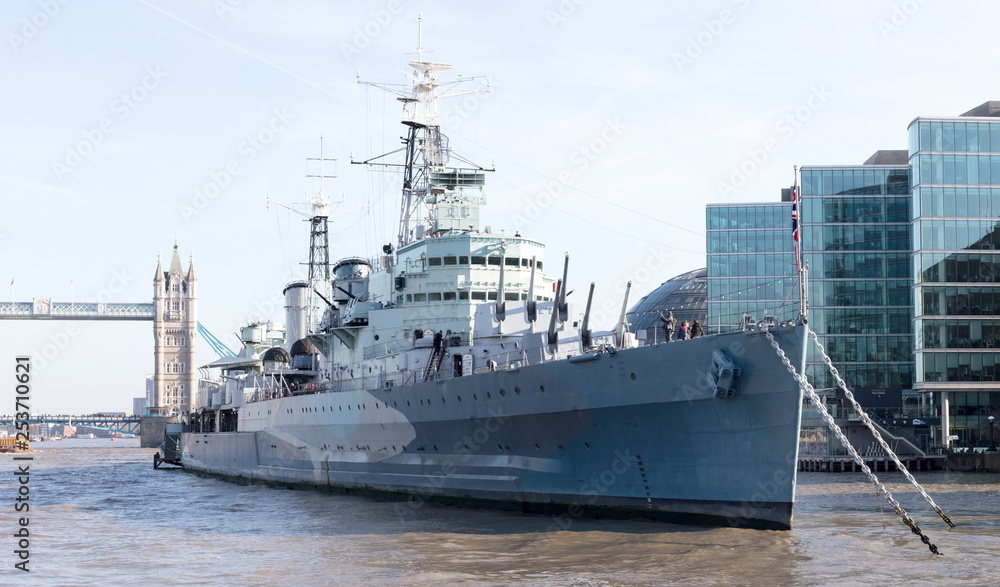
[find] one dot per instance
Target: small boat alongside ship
(451, 368)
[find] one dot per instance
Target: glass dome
(686, 295)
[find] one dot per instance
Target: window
(463, 260)
(511, 297)
(476, 260)
(434, 297)
(491, 295)
(419, 297)
(451, 260)
(449, 296)
(511, 261)
(434, 262)
(479, 295)
(525, 262)
(493, 260)
(463, 295)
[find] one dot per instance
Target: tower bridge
(174, 314)
(122, 424)
(44, 309)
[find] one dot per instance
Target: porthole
(503, 393)
(348, 408)
(489, 395)
(474, 396)
(442, 400)
(376, 337)
(632, 375)
(421, 402)
(517, 390)
(541, 388)
(586, 445)
(459, 398)
(435, 448)
(407, 403)
(340, 408)
(467, 449)
(500, 446)
(538, 448)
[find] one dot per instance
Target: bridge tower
(175, 325)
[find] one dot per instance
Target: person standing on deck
(668, 323)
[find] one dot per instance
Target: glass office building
(956, 267)
(751, 266)
(856, 244)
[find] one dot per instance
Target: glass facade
(751, 267)
(856, 244)
(956, 265)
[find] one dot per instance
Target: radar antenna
(425, 147)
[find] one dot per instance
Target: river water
(100, 513)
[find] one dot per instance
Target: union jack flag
(795, 224)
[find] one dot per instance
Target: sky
(610, 125)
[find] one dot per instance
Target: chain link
(817, 403)
(871, 426)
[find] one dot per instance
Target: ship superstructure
(452, 367)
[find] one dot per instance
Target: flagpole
(797, 242)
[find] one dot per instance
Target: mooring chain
(871, 426)
(805, 386)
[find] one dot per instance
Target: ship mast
(425, 146)
(319, 244)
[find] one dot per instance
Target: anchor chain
(807, 388)
(871, 426)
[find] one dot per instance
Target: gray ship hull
(637, 433)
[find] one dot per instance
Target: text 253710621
(22, 411)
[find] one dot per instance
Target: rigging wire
(586, 193)
(602, 226)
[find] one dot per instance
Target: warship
(451, 368)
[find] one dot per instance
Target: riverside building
(956, 260)
(903, 254)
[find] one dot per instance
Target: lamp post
(993, 444)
